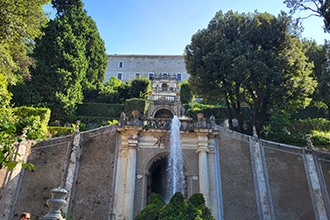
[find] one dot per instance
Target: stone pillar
(264, 200)
(72, 167)
(213, 201)
(203, 166)
(11, 180)
(126, 173)
(315, 186)
(142, 181)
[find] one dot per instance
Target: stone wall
(267, 180)
(248, 178)
(87, 172)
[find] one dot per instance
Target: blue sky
(165, 27)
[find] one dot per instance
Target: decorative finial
(310, 145)
(77, 126)
(255, 132)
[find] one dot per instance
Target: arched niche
(163, 113)
(155, 165)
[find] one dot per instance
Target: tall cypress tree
(70, 59)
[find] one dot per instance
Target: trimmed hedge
(56, 131)
(100, 109)
(140, 105)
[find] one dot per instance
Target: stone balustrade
(187, 124)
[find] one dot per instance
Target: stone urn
(135, 114)
(55, 204)
(200, 115)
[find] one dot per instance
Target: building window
(151, 75)
(120, 76)
(137, 75)
(178, 76)
(120, 64)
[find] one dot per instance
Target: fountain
(175, 176)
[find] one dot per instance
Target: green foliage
(197, 199)
(57, 131)
(5, 95)
(316, 8)
(185, 93)
(151, 211)
(34, 119)
(9, 141)
(199, 202)
(285, 130)
(100, 109)
(234, 60)
(113, 84)
(20, 23)
(320, 56)
(136, 104)
(109, 92)
(72, 56)
(177, 208)
(310, 112)
(139, 88)
(321, 138)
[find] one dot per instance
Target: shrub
(151, 211)
(56, 131)
(35, 119)
(177, 208)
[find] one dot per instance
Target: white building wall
(131, 65)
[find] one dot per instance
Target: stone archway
(156, 165)
(164, 87)
(158, 177)
(164, 113)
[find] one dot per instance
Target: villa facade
(128, 67)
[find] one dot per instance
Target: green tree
(249, 60)
(320, 56)
(139, 88)
(108, 93)
(20, 23)
(71, 59)
(185, 93)
(319, 8)
(5, 95)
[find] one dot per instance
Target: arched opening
(157, 182)
(164, 113)
(164, 87)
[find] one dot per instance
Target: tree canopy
(249, 60)
(70, 59)
(320, 56)
(20, 23)
(319, 8)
